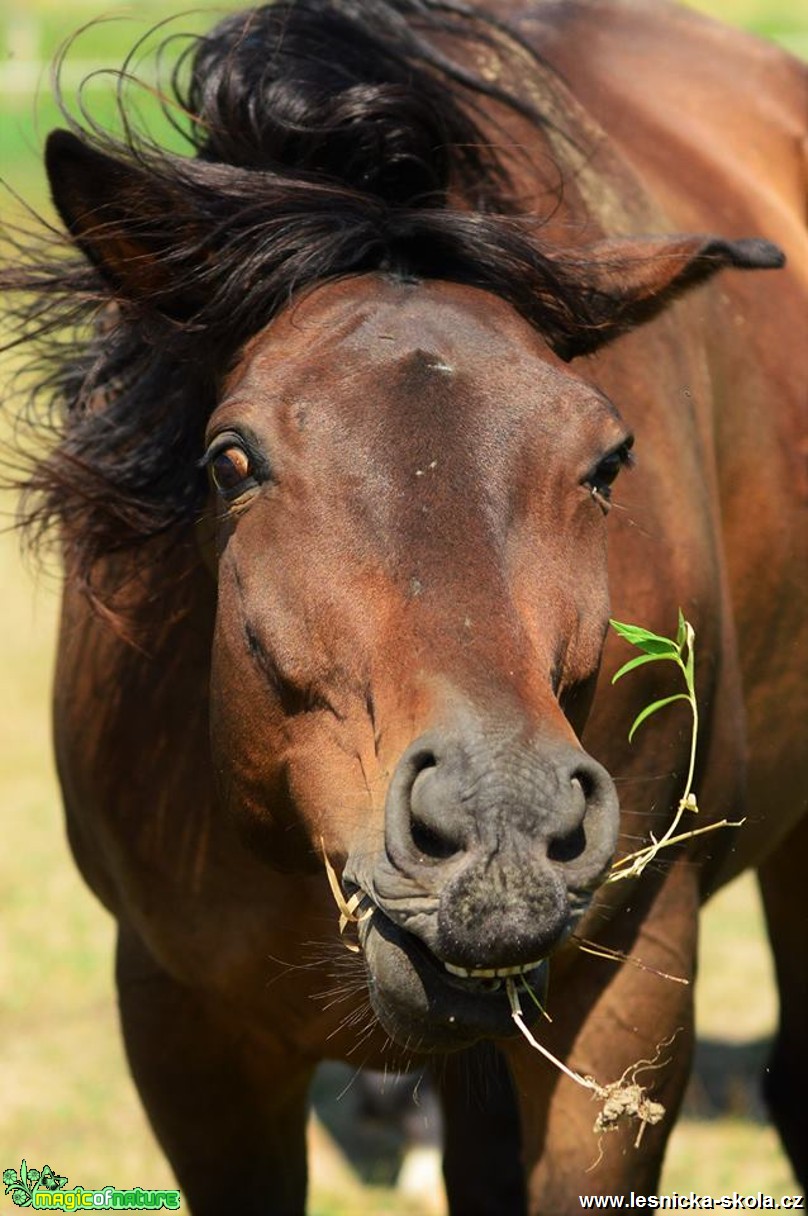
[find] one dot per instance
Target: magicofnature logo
(23, 1188)
(45, 1188)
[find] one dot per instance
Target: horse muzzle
(494, 844)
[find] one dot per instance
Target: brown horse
(335, 460)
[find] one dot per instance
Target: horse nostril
(583, 786)
(570, 844)
(567, 847)
(586, 826)
(430, 843)
(422, 761)
(429, 831)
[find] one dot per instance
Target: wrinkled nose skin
(493, 845)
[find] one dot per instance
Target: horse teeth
(489, 973)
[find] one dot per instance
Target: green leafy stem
(680, 650)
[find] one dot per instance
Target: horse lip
(490, 972)
(452, 970)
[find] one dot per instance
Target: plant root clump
(622, 1100)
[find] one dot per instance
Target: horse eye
(606, 472)
(230, 468)
(600, 480)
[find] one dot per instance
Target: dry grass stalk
(347, 907)
(617, 956)
(621, 1100)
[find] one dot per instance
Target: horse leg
(228, 1106)
(611, 1022)
(785, 900)
(481, 1155)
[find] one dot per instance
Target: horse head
(412, 605)
(406, 510)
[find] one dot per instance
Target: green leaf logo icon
(23, 1188)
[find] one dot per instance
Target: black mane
(331, 137)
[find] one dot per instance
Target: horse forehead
(373, 325)
(412, 310)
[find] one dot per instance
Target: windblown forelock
(258, 238)
(372, 94)
(263, 212)
(297, 182)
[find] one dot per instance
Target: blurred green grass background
(66, 1096)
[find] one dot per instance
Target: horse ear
(628, 281)
(125, 223)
